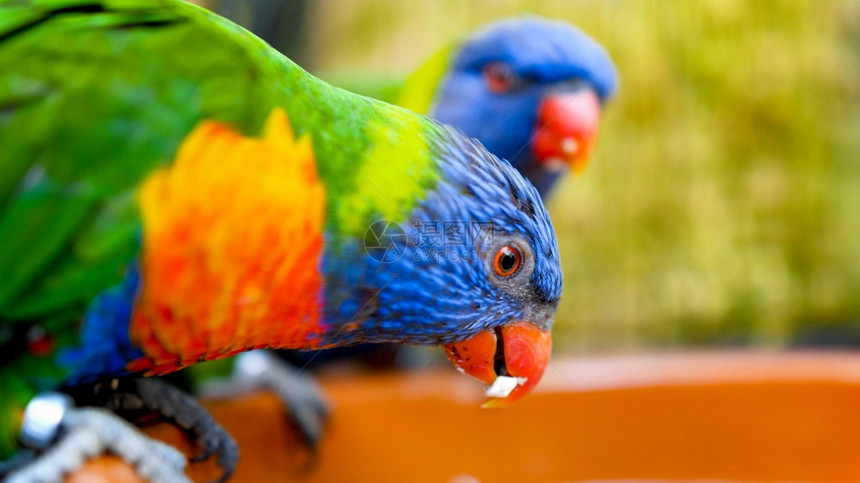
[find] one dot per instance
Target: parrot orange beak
(566, 129)
(511, 359)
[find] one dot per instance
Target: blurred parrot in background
(173, 190)
(531, 90)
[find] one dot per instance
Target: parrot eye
(507, 260)
(499, 77)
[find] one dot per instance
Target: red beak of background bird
(520, 351)
(566, 129)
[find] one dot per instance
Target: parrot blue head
(475, 267)
(531, 91)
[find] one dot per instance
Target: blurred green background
(723, 204)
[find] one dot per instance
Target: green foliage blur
(722, 206)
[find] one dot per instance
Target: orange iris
(507, 261)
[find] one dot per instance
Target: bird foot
(67, 436)
(170, 402)
(302, 398)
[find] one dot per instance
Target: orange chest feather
(231, 248)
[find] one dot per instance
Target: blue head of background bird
(531, 90)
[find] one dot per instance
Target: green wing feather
(61, 187)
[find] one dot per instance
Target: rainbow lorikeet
(530, 89)
(173, 190)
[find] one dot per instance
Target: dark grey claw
(68, 436)
(189, 414)
(302, 398)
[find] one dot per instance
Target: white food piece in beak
(504, 385)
